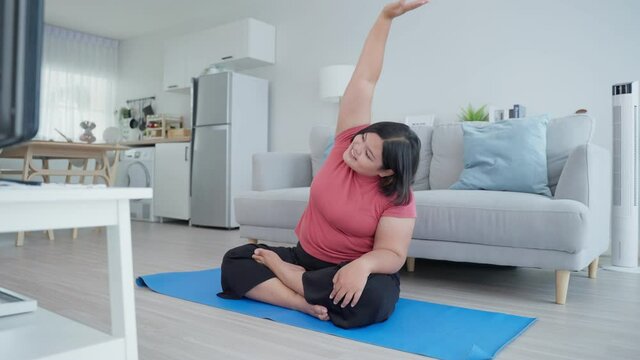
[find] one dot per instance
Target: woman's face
(364, 155)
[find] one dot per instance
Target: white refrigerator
(230, 115)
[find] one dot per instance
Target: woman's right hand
(349, 283)
(398, 8)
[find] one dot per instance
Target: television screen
(20, 57)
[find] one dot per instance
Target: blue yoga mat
(435, 330)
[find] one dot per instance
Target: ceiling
(124, 19)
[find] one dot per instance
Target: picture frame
(497, 114)
(12, 303)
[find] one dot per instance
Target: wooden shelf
(158, 126)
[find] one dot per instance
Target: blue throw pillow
(509, 155)
(328, 148)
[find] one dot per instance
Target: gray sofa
(565, 233)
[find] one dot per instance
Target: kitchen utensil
(148, 110)
(143, 121)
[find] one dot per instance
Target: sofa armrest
(586, 177)
(279, 170)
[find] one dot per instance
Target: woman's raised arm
(355, 107)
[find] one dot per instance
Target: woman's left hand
(348, 283)
(398, 8)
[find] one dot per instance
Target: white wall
(552, 56)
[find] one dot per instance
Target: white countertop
(55, 192)
(155, 141)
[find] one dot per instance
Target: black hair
(400, 153)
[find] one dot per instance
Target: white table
(45, 335)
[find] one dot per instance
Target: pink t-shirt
(340, 221)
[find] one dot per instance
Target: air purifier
(626, 177)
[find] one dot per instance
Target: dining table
(36, 154)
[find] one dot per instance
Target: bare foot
(271, 260)
(289, 274)
(317, 311)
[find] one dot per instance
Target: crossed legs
(271, 275)
(286, 288)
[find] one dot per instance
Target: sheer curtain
(79, 74)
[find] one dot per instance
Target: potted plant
(471, 114)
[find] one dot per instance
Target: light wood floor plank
(601, 319)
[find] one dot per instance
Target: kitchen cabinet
(175, 64)
(244, 44)
(235, 46)
(172, 178)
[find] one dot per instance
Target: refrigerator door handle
(186, 150)
(192, 147)
(194, 101)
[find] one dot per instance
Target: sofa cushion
(564, 134)
(421, 180)
(448, 160)
(319, 139)
(505, 155)
(280, 208)
(501, 218)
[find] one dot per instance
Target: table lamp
(333, 81)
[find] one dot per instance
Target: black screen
(21, 27)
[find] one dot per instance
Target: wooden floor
(600, 321)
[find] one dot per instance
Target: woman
(355, 232)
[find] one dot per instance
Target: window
(79, 75)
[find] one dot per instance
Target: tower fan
(626, 177)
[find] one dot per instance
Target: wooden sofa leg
(562, 284)
(253, 241)
(593, 268)
(20, 238)
(411, 264)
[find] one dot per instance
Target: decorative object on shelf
(87, 136)
(472, 114)
(333, 81)
(420, 120)
(518, 111)
(497, 113)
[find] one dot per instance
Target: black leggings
(240, 273)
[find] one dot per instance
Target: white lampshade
(334, 80)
